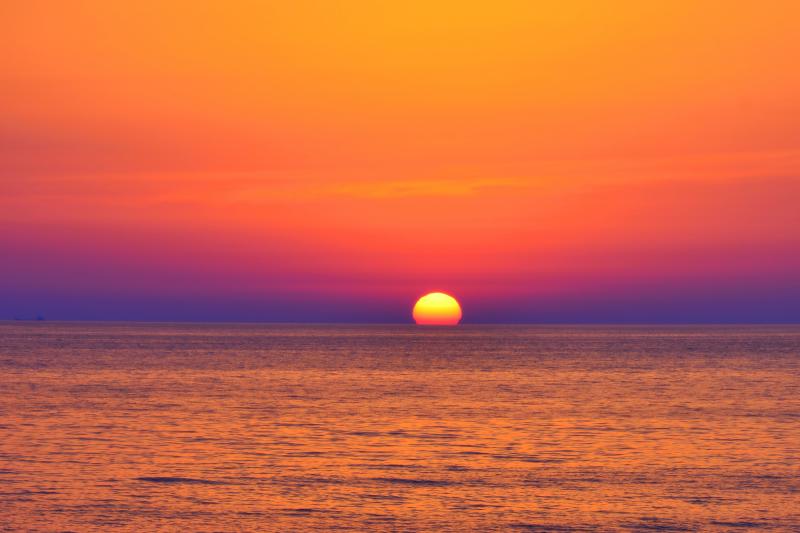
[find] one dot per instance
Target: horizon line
(351, 323)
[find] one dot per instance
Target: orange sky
(499, 151)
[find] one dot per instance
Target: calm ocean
(198, 427)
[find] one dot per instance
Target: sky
(321, 161)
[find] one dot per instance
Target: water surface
(163, 427)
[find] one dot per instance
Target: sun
(437, 309)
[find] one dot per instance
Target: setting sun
(437, 309)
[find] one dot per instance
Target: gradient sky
(332, 161)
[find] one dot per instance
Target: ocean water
(167, 427)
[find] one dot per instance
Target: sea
(249, 427)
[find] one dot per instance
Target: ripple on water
(415, 481)
(177, 480)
